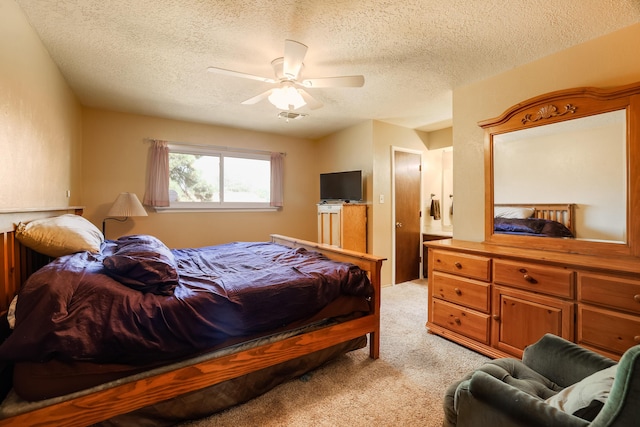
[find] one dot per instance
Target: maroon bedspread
(74, 308)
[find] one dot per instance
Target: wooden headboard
(564, 213)
(18, 262)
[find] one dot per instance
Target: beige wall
(40, 134)
(115, 159)
(368, 147)
(349, 149)
(607, 61)
(441, 138)
(385, 137)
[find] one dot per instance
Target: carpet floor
(403, 388)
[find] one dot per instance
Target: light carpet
(404, 387)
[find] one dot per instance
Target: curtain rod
(215, 147)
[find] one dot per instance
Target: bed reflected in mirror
(579, 165)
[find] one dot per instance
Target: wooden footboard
(369, 263)
(104, 404)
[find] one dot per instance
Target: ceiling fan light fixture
(290, 115)
(287, 98)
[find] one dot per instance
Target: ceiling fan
(290, 94)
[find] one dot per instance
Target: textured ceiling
(151, 56)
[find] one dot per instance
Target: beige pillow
(513, 212)
(60, 235)
(580, 395)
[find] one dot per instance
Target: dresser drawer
(611, 331)
(475, 267)
(462, 291)
(615, 292)
(537, 278)
(461, 320)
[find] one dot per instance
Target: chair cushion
(517, 374)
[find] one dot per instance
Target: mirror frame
(561, 106)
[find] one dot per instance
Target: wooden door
(407, 176)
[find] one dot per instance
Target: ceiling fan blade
(239, 74)
(343, 81)
(312, 103)
(258, 98)
(294, 53)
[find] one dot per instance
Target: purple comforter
(75, 309)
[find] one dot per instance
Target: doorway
(407, 191)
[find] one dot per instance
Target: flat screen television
(342, 186)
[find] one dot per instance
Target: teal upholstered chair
(510, 392)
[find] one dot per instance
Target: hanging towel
(435, 208)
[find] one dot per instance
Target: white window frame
(221, 206)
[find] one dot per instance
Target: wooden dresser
(498, 299)
(343, 225)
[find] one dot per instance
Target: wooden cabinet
(497, 300)
(343, 225)
(528, 301)
(522, 318)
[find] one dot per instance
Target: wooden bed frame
(564, 213)
(16, 263)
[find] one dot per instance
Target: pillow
(512, 212)
(582, 397)
(143, 263)
(60, 235)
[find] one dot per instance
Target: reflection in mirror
(447, 189)
(580, 162)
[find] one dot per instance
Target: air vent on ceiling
(290, 115)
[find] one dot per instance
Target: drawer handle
(496, 317)
(636, 298)
(636, 338)
(530, 279)
(457, 320)
(457, 291)
(527, 277)
(458, 265)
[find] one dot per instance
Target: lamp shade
(126, 205)
(286, 98)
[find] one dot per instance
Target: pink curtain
(157, 190)
(277, 180)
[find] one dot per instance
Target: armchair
(510, 392)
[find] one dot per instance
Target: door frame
(393, 205)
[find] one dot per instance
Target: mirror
(561, 172)
(447, 189)
(580, 162)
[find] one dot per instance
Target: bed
(165, 388)
(540, 220)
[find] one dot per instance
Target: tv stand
(343, 225)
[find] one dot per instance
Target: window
(203, 177)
